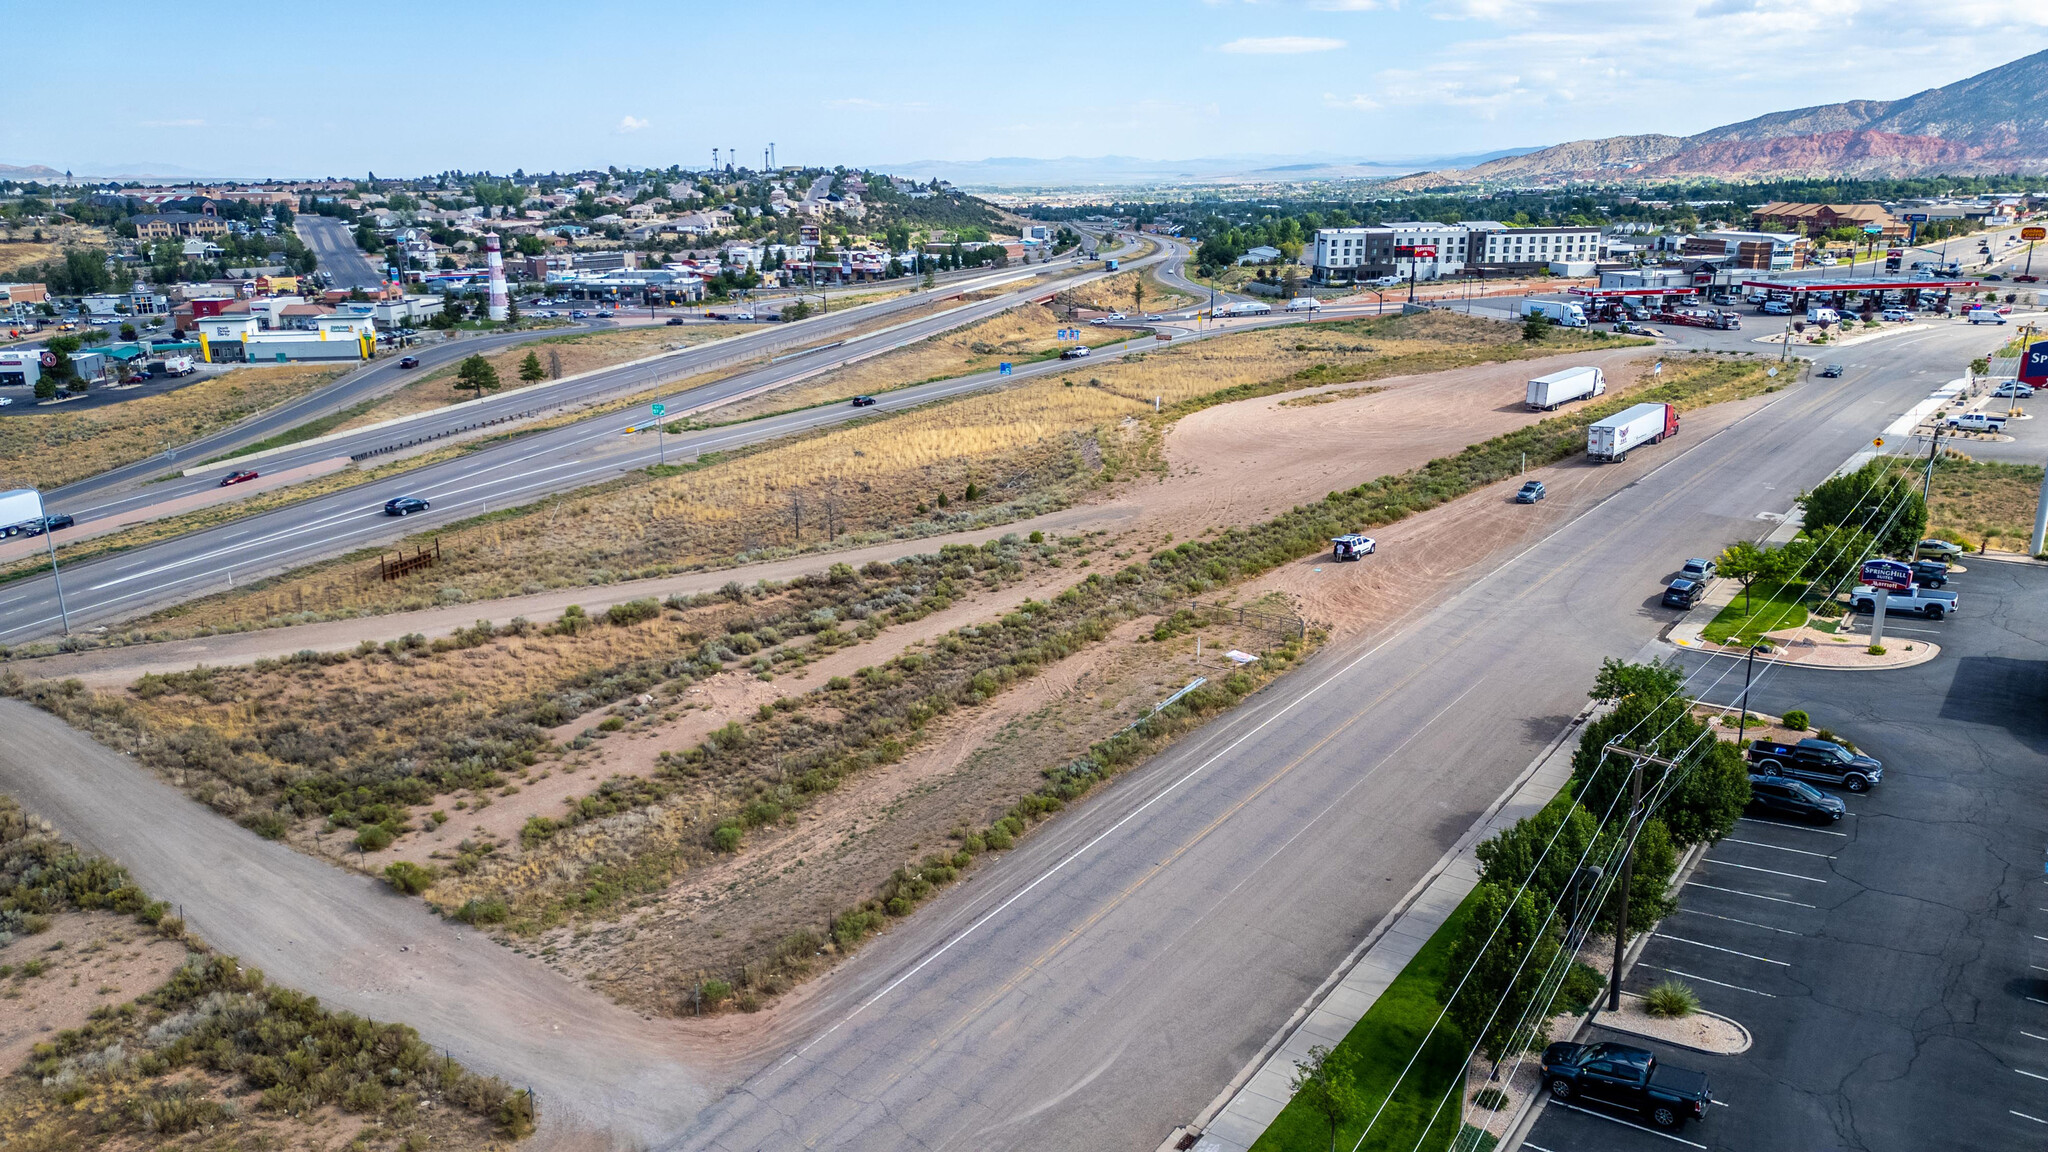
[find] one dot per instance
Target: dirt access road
(602, 1074)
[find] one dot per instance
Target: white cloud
(1282, 45)
(630, 124)
(173, 124)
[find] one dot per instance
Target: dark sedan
(409, 362)
(405, 506)
(1683, 593)
(863, 401)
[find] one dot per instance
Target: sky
(407, 89)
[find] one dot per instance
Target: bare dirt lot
(54, 979)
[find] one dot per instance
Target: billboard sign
(2034, 232)
(1415, 252)
(807, 235)
(2034, 366)
(1916, 217)
(1890, 575)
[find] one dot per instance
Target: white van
(1819, 315)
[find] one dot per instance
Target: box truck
(1304, 304)
(1611, 439)
(1547, 392)
(1569, 313)
(178, 366)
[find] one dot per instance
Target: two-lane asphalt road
(334, 243)
(1095, 988)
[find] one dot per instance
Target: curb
(1748, 1039)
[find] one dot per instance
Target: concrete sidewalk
(1247, 1106)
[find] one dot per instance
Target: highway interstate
(500, 475)
(1098, 986)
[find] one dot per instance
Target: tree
(1325, 1090)
(530, 370)
(1506, 970)
(476, 372)
(1876, 498)
(796, 311)
(127, 331)
(1138, 295)
(530, 245)
(1536, 327)
(46, 387)
(1745, 563)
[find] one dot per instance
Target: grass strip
(311, 429)
(1371, 1056)
(1768, 606)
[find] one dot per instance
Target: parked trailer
(1547, 392)
(1304, 304)
(1244, 308)
(1701, 318)
(1612, 438)
(1569, 313)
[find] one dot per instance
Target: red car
(237, 477)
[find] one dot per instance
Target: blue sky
(404, 89)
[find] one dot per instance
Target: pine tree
(530, 370)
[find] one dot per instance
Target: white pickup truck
(1975, 422)
(1919, 602)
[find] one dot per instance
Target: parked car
(1786, 798)
(1938, 549)
(863, 401)
(405, 505)
(1896, 316)
(1976, 422)
(1631, 328)
(1078, 352)
(1626, 1077)
(1683, 593)
(1353, 547)
(1831, 370)
(2024, 278)
(1776, 308)
(1820, 761)
(1531, 492)
(2014, 389)
(1930, 573)
(1918, 602)
(1724, 298)
(1697, 569)
(238, 477)
(409, 362)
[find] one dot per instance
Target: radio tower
(500, 300)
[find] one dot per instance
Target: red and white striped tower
(500, 299)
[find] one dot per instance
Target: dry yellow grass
(1024, 333)
(1024, 445)
(22, 253)
(1113, 293)
(571, 354)
(48, 449)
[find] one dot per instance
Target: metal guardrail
(445, 433)
(1163, 705)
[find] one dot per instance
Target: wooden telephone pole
(1628, 830)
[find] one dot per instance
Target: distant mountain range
(1011, 172)
(1993, 122)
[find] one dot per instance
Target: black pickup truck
(1821, 761)
(1628, 1078)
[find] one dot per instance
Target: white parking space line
(1768, 871)
(2037, 1000)
(1774, 847)
(1755, 896)
(2021, 1115)
(1797, 827)
(1733, 920)
(1623, 1123)
(1718, 948)
(1716, 983)
(2031, 1036)
(2030, 1075)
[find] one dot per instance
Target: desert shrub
(1582, 985)
(1797, 720)
(374, 838)
(483, 910)
(408, 877)
(1671, 998)
(632, 612)
(1491, 1099)
(727, 837)
(715, 992)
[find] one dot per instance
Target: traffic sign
(1874, 229)
(1003, 369)
(1890, 575)
(2034, 232)
(659, 409)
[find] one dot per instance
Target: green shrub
(1491, 1099)
(726, 837)
(612, 724)
(632, 612)
(1670, 999)
(374, 838)
(1797, 720)
(1037, 537)
(408, 877)
(1582, 986)
(484, 910)
(714, 993)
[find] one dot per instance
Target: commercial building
(24, 366)
(1762, 251)
(178, 225)
(1814, 219)
(1344, 255)
(338, 336)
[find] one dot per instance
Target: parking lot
(1891, 968)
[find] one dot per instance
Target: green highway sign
(659, 409)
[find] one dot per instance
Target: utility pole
(1933, 450)
(1635, 802)
(1749, 669)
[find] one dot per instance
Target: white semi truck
(1569, 313)
(1547, 392)
(1612, 438)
